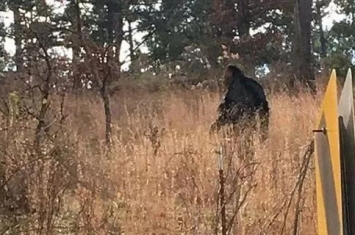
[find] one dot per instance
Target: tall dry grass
(161, 176)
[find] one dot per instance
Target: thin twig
(306, 160)
(309, 152)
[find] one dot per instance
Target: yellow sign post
(328, 165)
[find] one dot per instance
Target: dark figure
(243, 102)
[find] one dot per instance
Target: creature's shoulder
(255, 88)
(252, 82)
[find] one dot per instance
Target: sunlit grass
(164, 167)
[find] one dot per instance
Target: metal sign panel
(328, 167)
(347, 148)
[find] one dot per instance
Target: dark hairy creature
(243, 102)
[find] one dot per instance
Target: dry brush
(162, 174)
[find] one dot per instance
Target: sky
(7, 18)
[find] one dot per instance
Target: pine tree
(28, 16)
(341, 39)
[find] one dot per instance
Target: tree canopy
(197, 35)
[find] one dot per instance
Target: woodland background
(90, 148)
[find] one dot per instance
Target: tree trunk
(301, 46)
(103, 81)
(322, 40)
(111, 11)
(243, 26)
(133, 68)
(18, 39)
(119, 39)
(75, 67)
(107, 109)
(76, 46)
(76, 58)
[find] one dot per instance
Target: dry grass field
(162, 175)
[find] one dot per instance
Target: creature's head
(232, 72)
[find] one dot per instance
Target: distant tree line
(197, 35)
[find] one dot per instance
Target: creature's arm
(224, 110)
(220, 121)
(258, 93)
